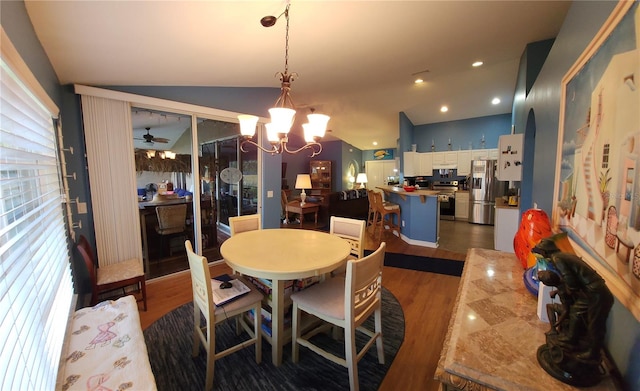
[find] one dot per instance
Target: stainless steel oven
(446, 198)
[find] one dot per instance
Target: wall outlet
(402, 223)
(82, 208)
(270, 194)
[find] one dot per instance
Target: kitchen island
(419, 214)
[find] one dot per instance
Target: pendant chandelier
(283, 113)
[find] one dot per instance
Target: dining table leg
(277, 321)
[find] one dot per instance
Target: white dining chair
(244, 223)
(351, 230)
(205, 309)
(346, 303)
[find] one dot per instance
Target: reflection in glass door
(229, 177)
(162, 150)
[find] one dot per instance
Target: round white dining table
(280, 255)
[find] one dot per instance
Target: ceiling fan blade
(160, 140)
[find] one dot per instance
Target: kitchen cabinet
(464, 162)
(451, 157)
(411, 164)
(378, 171)
(510, 157)
(446, 159)
(426, 164)
(462, 205)
(506, 226)
(484, 154)
(437, 158)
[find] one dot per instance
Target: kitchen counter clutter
(494, 332)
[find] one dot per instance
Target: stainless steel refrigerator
(484, 188)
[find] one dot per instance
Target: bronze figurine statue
(573, 349)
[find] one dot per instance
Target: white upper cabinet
(438, 158)
(484, 154)
(426, 164)
(451, 157)
(464, 162)
(411, 163)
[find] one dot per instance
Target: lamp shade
(303, 181)
(362, 178)
(282, 119)
(247, 124)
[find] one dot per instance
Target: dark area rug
(169, 342)
(423, 264)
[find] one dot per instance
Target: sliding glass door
(230, 175)
(165, 184)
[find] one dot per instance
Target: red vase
(534, 226)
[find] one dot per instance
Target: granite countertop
(495, 332)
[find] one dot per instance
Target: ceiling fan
(150, 139)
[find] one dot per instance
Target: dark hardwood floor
(426, 300)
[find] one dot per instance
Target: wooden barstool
(385, 211)
(371, 214)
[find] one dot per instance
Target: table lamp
(303, 181)
(362, 179)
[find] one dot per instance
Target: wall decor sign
(597, 186)
(383, 154)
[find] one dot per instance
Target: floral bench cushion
(106, 349)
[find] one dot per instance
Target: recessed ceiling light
(495, 101)
(477, 64)
(444, 109)
(418, 81)
(375, 143)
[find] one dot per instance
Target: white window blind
(36, 289)
(112, 178)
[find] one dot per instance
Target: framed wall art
(383, 154)
(597, 186)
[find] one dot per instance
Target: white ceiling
(356, 60)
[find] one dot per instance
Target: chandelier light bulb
(319, 124)
(248, 124)
(282, 118)
(272, 133)
(308, 133)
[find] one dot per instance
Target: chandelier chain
(286, 41)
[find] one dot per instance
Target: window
(35, 279)
(605, 155)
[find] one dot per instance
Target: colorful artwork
(383, 154)
(597, 188)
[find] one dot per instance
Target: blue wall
(464, 134)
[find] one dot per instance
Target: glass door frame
(197, 112)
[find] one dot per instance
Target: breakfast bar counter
(419, 214)
(423, 194)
